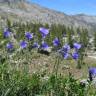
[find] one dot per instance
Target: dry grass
(42, 63)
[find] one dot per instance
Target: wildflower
(65, 55)
(75, 55)
(23, 44)
(56, 42)
(44, 45)
(29, 35)
(66, 48)
(92, 71)
(35, 45)
(9, 46)
(44, 32)
(6, 33)
(64, 51)
(77, 46)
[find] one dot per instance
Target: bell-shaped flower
(35, 45)
(92, 71)
(9, 46)
(44, 32)
(44, 45)
(65, 55)
(66, 48)
(75, 55)
(6, 33)
(23, 44)
(77, 46)
(56, 42)
(29, 35)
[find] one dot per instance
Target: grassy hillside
(32, 70)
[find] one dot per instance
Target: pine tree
(69, 37)
(95, 41)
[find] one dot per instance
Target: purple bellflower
(66, 48)
(23, 44)
(64, 51)
(77, 46)
(29, 35)
(35, 45)
(44, 32)
(56, 42)
(6, 33)
(65, 55)
(44, 45)
(75, 55)
(92, 71)
(9, 46)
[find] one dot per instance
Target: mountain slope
(21, 10)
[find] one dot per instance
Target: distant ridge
(22, 10)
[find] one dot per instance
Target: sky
(70, 7)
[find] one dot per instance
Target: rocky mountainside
(22, 10)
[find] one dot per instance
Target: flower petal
(77, 46)
(9, 45)
(75, 55)
(28, 35)
(56, 42)
(23, 44)
(44, 32)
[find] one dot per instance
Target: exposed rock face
(21, 10)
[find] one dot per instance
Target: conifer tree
(94, 41)
(69, 37)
